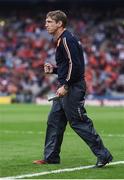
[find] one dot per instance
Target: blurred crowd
(25, 46)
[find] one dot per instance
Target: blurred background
(25, 46)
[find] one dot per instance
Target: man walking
(70, 104)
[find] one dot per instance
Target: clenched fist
(48, 68)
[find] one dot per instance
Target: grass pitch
(22, 133)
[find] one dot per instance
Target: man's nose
(45, 24)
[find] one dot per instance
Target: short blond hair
(58, 15)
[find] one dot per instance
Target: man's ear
(59, 23)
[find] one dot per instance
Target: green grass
(22, 133)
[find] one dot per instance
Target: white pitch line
(41, 132)
(57, 171)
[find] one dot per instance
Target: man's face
(51, 25)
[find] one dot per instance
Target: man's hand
(61, 91)
(48, 68)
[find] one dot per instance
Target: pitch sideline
(67, 133)
(58, 171)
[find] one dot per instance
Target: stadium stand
(25, 46)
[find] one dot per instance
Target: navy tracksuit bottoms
(70, 108)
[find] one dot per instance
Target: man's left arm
(70, 53)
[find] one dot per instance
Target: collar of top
(59, 38)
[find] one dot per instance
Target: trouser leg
(87, 132)
(54, 134)
(73, 105)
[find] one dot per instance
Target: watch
(66, 87)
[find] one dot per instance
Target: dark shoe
(44, 162)
(102, 162)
